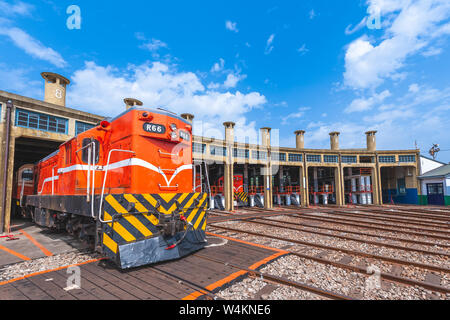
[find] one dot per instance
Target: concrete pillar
(267, 170)
(300, 139)
(55, 88)
(338, 186)
(228, 166)
(371, 140)
(303, 187)
(131, 102)
(281, 182)
(375, 194)
(245, 177)
(316, 185)
(334, 140)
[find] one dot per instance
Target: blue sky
(312, 65)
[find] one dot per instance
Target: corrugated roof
(438, 172)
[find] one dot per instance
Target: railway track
(281, 280)
(362, 224)
(360, 270)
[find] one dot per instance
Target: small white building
(428, 164)
(435, 186)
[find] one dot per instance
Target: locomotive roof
(159, 111)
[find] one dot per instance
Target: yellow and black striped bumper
(241, 197)
(136, 232)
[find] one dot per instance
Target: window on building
(330, 158)
(349, 159)
(39, 121)
(259, 155)
(295, 157)
(81, 127)
(218, 151)
(407, 158)
(276, 156)
(198, 147)
(365, 159)
(313, 158)
(240, 153)
(401, 185)
(387, 159)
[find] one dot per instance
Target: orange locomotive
(127, 183)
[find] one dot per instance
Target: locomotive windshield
(27, 175)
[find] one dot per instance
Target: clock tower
(55, 88)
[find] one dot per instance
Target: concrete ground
(34, 242)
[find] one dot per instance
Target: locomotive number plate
(154, 128)
(184, 135)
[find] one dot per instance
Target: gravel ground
(326, 277)
(379, 233)
(391, 215)
(249, 288)
(442, 261)
(384, 266)
(367, 220)
(23, 268)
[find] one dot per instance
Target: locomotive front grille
(149, 228)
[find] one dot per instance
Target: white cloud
(32, 46)
(101, 89)
(295, 115)
(232, 26)
(269, 46)
(363, 104)
(18, 8)
(413, 88)
(312, 14)
(409, 27)
(233, 79)
(17, 80)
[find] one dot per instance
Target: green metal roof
(438, 172)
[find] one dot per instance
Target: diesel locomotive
(126, 185)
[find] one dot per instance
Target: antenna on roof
(159, 108)
(434, 150)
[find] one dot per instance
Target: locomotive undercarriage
(131, 235)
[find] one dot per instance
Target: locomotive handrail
(91, 154)
(104, 182)
(168, 154)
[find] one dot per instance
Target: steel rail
(341, 212)
(360, 233)
(284, 281)
(352, 252)
(358, 223)
(376, 243)
(385, 276)
(390, 212)
(334, 219)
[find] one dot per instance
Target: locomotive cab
(23, 186)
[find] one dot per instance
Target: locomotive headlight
(173, 126)
(173, 135)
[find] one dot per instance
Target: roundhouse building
(31, 129)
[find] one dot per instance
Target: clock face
(58, 93)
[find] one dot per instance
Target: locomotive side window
(69, 153)
(27, 175)
(85, 152)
